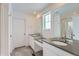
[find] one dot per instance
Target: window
(70, 24)
(47, 21)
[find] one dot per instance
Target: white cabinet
(35, 45)
(50, 50)
(31, 42)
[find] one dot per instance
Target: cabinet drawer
(48, 52)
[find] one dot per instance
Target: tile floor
(22, 51)
(25, 51)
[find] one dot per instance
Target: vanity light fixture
(38, 16)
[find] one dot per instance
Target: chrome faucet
(64, 38)
(72, 35)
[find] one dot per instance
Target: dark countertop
(38, 38)
(71, 48)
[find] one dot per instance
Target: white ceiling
(28, 7)
(32, 7)
(69, 8)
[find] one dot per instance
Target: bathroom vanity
(36, 44)
(55, 46)
(59, 48)
(50, 50)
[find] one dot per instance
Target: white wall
(32, 26)
(38, 24)
(0, 30)
(4, 30)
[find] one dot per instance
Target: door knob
(10, 35)
(24, 33)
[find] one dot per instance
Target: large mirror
(70, 21)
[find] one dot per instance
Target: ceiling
(28, 7)
(69, 9)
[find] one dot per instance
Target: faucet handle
(73, 34)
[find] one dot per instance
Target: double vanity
(55, 46)
(52, 47)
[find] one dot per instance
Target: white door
(10, 35)
(18, 32)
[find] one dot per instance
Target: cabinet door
(50, 50)
(47, 51)
(31, 42)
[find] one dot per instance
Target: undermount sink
(59, 43)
